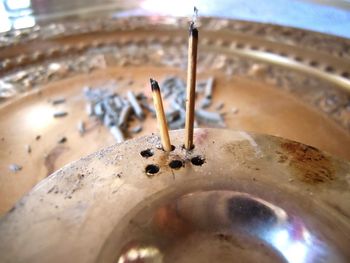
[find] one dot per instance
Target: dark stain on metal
(241, 151)
(310, 164)
(53, 189)
(51, 158)
(189, 150)
(282, 158)
(12, 209)
(163, 159)
(62, 140)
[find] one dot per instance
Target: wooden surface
(262, 108)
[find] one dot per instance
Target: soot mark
(310, 164)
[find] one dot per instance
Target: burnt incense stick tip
(193, 24)
(154, 85)
(193, 31)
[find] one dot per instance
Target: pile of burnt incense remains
(174, 91)
(115, 111)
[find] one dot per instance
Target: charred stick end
(158, 105)
(154, 85)
(193, 31)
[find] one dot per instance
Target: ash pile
(119, 113)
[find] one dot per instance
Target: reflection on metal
(215, 216)
(141, 254)
(293, 250)
(295, 65)
(236, 206)
(39, 117)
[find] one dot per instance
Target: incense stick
(162, 124)
(191, 85)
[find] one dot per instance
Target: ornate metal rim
(312, 66)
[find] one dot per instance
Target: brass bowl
(281, 81)
(237, 196)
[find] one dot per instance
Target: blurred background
(270, 79)
(70, 89)
(326, 16)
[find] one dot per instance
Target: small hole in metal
(239, 45)
(184, 148)
(313, 63)
(345, 74)
(176, 164)
(172, 148)
(329, 69)
(198, 160)
(160, 147)
(283, 54)
(151, 169)
(225, 43)
(147, 153)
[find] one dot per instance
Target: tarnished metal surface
(309, 65)
(274, 80)
(237, 195)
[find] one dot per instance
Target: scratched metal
(311, 69)
(252, 198)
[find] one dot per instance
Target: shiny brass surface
(238, 195)
(275, 80)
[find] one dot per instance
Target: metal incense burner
(237, 196)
